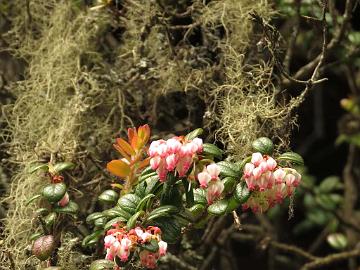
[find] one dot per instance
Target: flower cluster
(209, 180)
(120, 243)
(173, 154)
(271, 183)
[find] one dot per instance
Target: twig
(303, 71)
(294, 250)
(180, 264)
(236, 220)
(320, 262)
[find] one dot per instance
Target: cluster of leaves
(55, 201)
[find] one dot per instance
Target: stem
(188, 192)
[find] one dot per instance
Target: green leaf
(329, 184)
(263, 145)
(71, 208)
(92, 239)
(292, 157)
(116, 212)
(242, 192)
(151, 246)
(100, 222)
(229, 184)
(54, 192)
(128, 203)
(162, 211)
(94, 216)
(189, 192)
(63, 166)
(233, 204)
(219, 207)
(228, 169)
(318, 217)
(243, 163)
(170, 228)
(200, 196)
(102, 265)
(327, 202)
(50, 219)
(143, 201)
(132, 221)
(212, 150)
(108, 196)
(171, 195)
(37, 167)
(33, 198)
(193, 134)
(337, 241)
(197, 210)
(113, 221)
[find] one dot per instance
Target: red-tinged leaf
(121, 151)
(144, 133)
(118, 168)
(135, 141)
(125, 146)
(131, 132)
(144, 163)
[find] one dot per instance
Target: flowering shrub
(169, 185)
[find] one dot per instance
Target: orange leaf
(125, 146)
(135, 141)
(121, 151)
(144, 133)
(131, 132)
(118, 168)
(144, 163)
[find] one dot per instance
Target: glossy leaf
(43, 247)
(92, 238)
(228, 169)
(50, 219)
(212, 150)
(132, 221)
(219, 207)
(100, 222)
(242, 192)
(125, 146)
(71, 208)
(63, 166)
(116, 212)
(200, 196)
(229, 184)
(263, 145)
(114, 221)
(143, 201)
(193, 134)
(171, 229)
(129, 202)
(35, 236)
(118, 168)
(54, 192)
(108, 196)
(162, 211)
(94, 216)
(292, 157)
(330, 183)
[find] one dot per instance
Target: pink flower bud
(162, 171)
(153, 148)
(262, 183)
(270, 179)
(109, 255)
(162, 150)
(173, 145)
(204, 179)
(257, 173)
(199, 143)
(214, 191)
(250, 182)
(213, 171)
(183, 165)
(64, 201)
(289, 179)
(271, 164)
(109, 240)
(249, 167)
(155, 162)
(256, 159)
(263, 166)
(162, 248)
(171, 161)
(279, 176)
